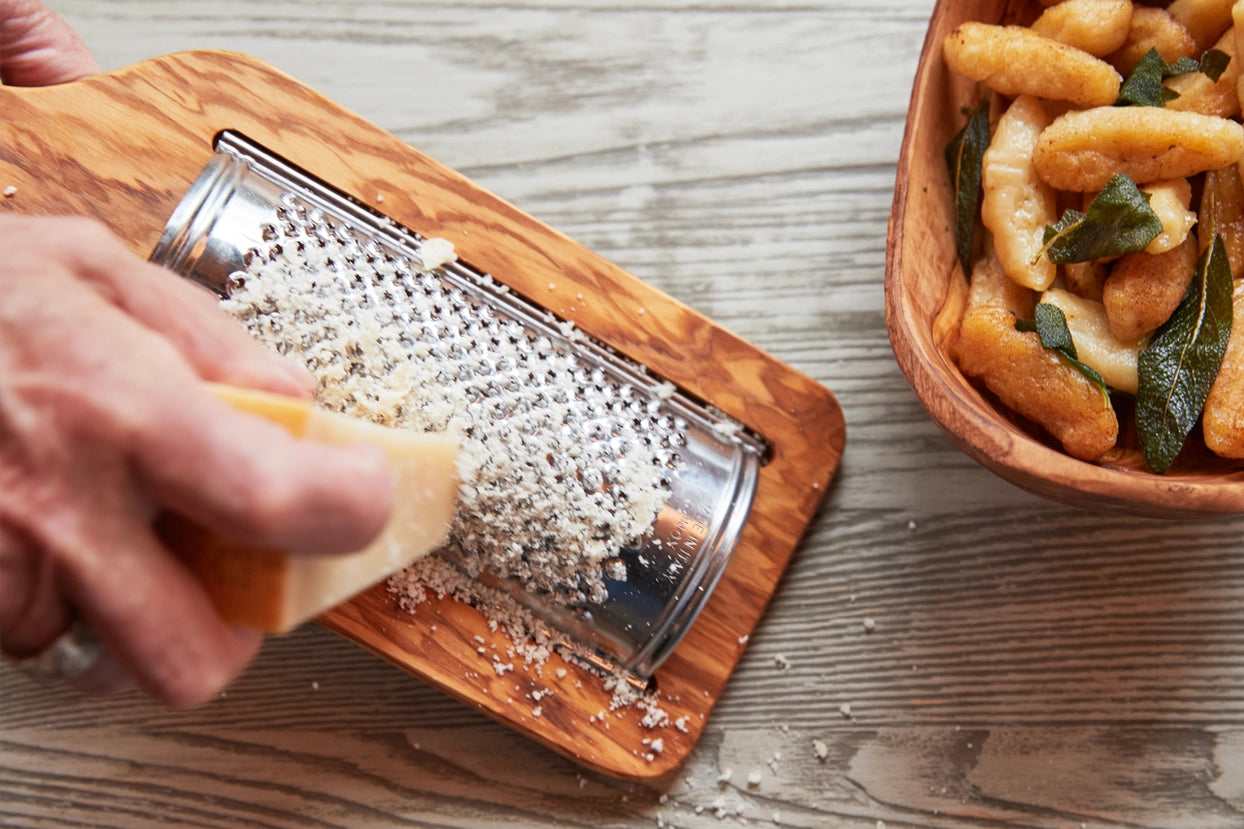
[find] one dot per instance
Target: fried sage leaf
(1144, 86)
(1179, 364)
(964, 156)
(1050, 323)
(1119, 220)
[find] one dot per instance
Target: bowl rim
(981, 433)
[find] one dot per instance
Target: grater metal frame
(230, 215)
(124, 148)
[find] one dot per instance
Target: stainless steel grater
(123, 148)
(598, 410)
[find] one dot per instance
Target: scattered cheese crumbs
(744, 639)
(642, 311)
(315, 686)
(436, 252)
(681, 724)
(870, 625)
(380, 198)
(658, 745)
(820, 749)
(561, 673)
(537, 711)
(911, 526)
(725, 776)
(754, 777)
(782, 662)
(545, 501)
(845, 709)
(10, 191)
(663, 799)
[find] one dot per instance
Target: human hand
(37, 48)
(105, 423)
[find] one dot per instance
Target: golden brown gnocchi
(1083, 149)
(1014, 60)
(1099, 27)
(1112, 204)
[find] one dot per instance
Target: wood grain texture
(1030, 664)
(925, 296)
(123, 147)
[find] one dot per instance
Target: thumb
(37, 48)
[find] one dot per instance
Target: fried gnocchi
(1033, 381)
(1017, 204)
(1143, 289)
(1198, 93)
(1223, 422)
(1081, 150)
(1112, 170)
(1170, 201)
(1152, 28)
(1099, 27)
(1205, 20)
(1014, 60)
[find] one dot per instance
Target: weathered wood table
(962, 653)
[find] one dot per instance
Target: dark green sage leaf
(1050, 323)
(1179, 364)
(963, 156)
(1214, 63)
(1119, 220)
(1144, 86)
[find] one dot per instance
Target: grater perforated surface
(562, 464)
(728, 525)
(599, 496)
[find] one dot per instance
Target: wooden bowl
(925, 292)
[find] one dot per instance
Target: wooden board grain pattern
(123, 147)
(1031, 665)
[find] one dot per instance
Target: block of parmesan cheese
(276, 590)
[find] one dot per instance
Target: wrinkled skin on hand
(37, 48)
(104, 423)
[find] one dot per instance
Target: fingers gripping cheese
(276, 590)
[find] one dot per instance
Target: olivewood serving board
(125, 147)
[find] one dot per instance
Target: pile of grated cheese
(559, 467)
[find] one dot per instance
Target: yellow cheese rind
(276, 590)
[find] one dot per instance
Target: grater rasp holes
(563, 464)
